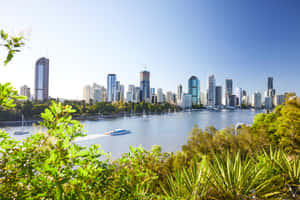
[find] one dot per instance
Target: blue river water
(170, 131)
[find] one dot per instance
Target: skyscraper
(41, 84)
(270, 83)
(87, 93)
(218, 95)
(111, 94)
(194, 89)
(145, 86)
(160, 95)
(256, 100)
(25, 91)
(211, 91)
(271, 90)
(239, 95)
(228, 90)
(179, 93)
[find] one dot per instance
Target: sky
(246, 41)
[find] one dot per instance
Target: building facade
(211, 101)
(25, 91)
(256, 100)
(228, 90)
(145, 86)
(111, 87)
(194, 89)
(41, 83)
(218, 95)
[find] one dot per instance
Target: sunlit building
(41, 84)
(194, 89)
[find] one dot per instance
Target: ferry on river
(117, 132)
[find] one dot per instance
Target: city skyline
(227, 40)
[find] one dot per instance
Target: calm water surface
(169, 130)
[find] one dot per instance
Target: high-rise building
(239, 95)
(268, 103)
(228, 90)
(98, 93)
(137, 94)
(169, 97)
(25, 91)
(111, 94)
(145, 86)
(41, 85)
(203, 98)
(122, 91)
(218, 96)
(279, 99)
(87, 93)
(194, 89)
(256, 100)
(179, 93)
(186, 101)
(160, 98)
(232, 100)
(270, 83)
(211, 91)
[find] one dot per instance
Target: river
(168, 130)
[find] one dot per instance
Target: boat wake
(90, 137)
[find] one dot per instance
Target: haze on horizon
(86, 40)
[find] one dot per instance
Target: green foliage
(8, 94)
(12, 45)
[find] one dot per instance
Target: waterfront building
(228, 90)
(179, 93)
(25, 91)
(271, 91)
(203, 98)
(279, 99)
(160, 98)
(129, 96)
(186, 101)
(194, 89)
(111, 94)
(211, 101)
(232, 100)
(239, 95)
(154, 99)
(137, 95)
(218, 96)
(245, 100)
(98, 93)
(118, 91)
(268, 103)
(145, 86)
(41, 83)
(122, 91)
(256, 100)
(87, 93)
(169, 97)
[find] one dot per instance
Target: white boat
(117, 132)
(22, 131)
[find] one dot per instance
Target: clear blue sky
(85, 40)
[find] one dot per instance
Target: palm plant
(188, 183)
(234, 178)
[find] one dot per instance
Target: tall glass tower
(211, 101)
(145, 86)
(111, 87)
(194, 89)
(41, 83)
(228, 90)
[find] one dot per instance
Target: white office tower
(25, 91)
(122, 91)
(170, 97)
(203, 98)
(98, 93)
(179, 94)
(245, 100)
(160, 95)
(129, 96)
(137, 94)
(239, 95)
(211, 91)
(279, 99)
(186, 101)
(87, 93)
(256, 100)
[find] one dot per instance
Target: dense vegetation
(257, 162)
(33, 110)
